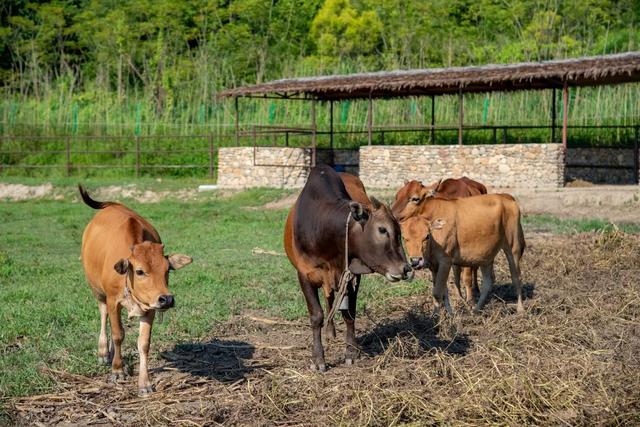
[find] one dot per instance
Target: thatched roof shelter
(589, 71)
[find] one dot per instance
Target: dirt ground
(573, 358)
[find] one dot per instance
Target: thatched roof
(589, 71)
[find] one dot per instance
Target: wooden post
(495, 135)
(369, 119)
(461, 102)
(210, 155)
(433, 119)
(331, 124)
(137, 156)
(636, 156)
(237, 121)
(553, 115)
(68, 152)
(565, 114)
(313, 132)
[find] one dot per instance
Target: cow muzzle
(165, 302)
(417, 262)
(407, 274)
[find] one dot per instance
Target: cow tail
(89, 201)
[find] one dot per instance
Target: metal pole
(433, 119)
(369, 119)
(210, 155)
(237, 121)
(565, 103)
(68, 152)
(331, 124)
(460, 96)
(313, 132)
(553, 115)
(137, 156)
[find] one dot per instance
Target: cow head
(148, 272)
(375, 243)
(408, 200)
(417, 235)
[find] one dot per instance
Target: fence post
(137, 156)
(68, 151)
(210, 155)
(504, 135)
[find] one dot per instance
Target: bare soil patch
(573, 358)
(19, 192)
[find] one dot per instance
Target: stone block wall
(515, 165)
(604, 157)
(280, 167)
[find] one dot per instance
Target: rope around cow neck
(346, 277)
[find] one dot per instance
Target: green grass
(49, 316)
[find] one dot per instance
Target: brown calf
(467, 232)
(123, 259)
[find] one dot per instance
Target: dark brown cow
(123, 259)
(410, 198)
(314, 240)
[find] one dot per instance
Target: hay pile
(572, 359)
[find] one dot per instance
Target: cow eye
(415, 199)
(382, 230)
(140, 272)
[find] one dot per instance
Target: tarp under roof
(588, 71)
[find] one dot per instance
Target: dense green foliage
(149, 66)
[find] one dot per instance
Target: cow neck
(134, 306)
(347, 276)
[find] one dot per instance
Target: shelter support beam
(553, 115)
(331, 124)
(314, 132)
(433, 119)
(565, 104)
(237, 121)
(461, 121)
(369, 120)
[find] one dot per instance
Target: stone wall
(280, 167)
(343, 160)
(516, 165)
(603, 157)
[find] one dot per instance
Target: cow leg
(440, 289)
(514, 268)
(330, 328)
(316, 317)
(467, 280)
(475, 290)
(487, 284)
(103, 342)
(349, 316)
(456, 279)
(117, 336)
(144, 342)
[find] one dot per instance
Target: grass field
(50, 320)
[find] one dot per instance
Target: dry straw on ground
(573, 358)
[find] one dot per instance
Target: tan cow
(123, 259)
(466, 232)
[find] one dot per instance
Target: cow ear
(177, 261)
(437, 224)
(377, 204)
(358, 267)
(122, 266)
(359, 212)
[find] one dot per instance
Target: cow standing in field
(324, 215)
(409, 200)
(467, 232)
(123, 259)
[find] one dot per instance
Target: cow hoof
(348, 361)
(118, 376)
(319, 367)
(145, 391)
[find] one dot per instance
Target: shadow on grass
(507, 292)
(225, 361)
(417, 331)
